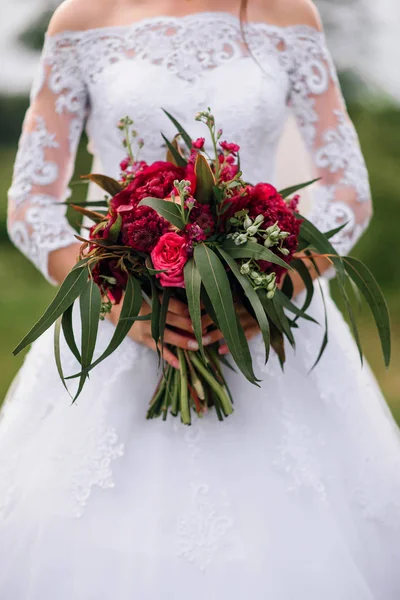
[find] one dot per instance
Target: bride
(297, 494)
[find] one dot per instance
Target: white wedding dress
(297, 494)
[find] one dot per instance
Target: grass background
(25, 293)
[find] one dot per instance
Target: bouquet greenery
(191, 228)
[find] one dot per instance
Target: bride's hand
(181, 335)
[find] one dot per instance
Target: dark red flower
(143, 231)
(199, 143)
(110, 278)
(202, 216)
(230, 148)
(156, 181)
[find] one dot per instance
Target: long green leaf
(253, 250)
(108, 184)
(325, 339)
(290, 306)
(155, 314)
(296, 188)
(276, 314)
(57, 352)
(178, 159)
(71, 288)
(322, 245)
(209, 307)
(168, 210)
(370, 289)
(193, 289)
(205, 180)
(216, 283)
(305, 275)
(185, 136)
(352, 318)
(130, 309)
(253, 299)
(163, 313)
(68, 331)
(90, 307)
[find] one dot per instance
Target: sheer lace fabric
(185, 65)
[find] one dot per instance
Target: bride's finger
(181, 341)
(178, 308)
(168, 356)
(180, 322)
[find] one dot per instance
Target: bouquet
(193, 229)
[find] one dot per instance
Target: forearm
(62, 261)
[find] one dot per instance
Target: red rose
(170, 255)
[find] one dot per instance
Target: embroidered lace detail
(344, 194)
(44, 163)
(203, 529)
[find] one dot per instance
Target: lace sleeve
(52, 128)
(343, 195)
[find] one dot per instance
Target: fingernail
(193, 345)
(207, 340)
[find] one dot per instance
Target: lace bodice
(184, 65)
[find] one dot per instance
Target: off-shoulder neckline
(223, 15)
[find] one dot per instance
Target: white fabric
(297, 494)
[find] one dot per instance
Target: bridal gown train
(297, 494)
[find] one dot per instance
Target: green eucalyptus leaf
(108, 184)
(193, 289)
(216, 283)
(155, 314)
(57, 352)
(163, 313)
(68, 331)
(130, 308)
(185, 136)
(368, 286)
(322, 245)
(305, 275)
(290, 306)
(179, 161)
(253, 250)
(168, 210)
(205, 180)
(296, 188)
(253, 298)
(325, 339)
(90, 307)
(70, 289)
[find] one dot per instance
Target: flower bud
(283, 235)
(241, 239)
(284, 251)
(259, 219)
(252, 230)
(268, 243)
(271, 286)
(270, 295)
(254, 274)
(245, 269)
(247, 222)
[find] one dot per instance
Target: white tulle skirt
(295, 496)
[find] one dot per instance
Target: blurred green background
(26, 293)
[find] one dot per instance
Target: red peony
(156, 181)
(170, 255)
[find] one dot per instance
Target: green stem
(214, 142)
(213, 383)
(184, 392)
(175, 393)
